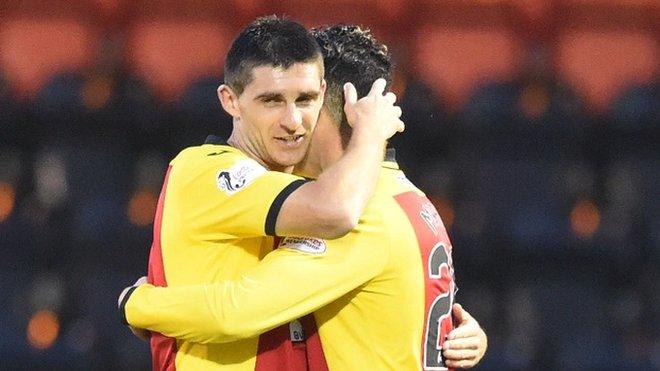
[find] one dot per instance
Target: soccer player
(220, 202)
(382, 295)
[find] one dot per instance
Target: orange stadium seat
(34, 48)
(606, 46)
(381, 16)
(171, 43)
(456, 48)
(169, 54)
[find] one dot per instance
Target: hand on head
(375, 113)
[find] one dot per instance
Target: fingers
(465, 363)
(376, 112)
(400, 126)
(465, 329)
(378, 87)
(460, 358)
(458, 313)
(140, 281)
(350, 94)
(459, 354)
(121, 296)
(390, 97)
(467, 343)
(463, 343)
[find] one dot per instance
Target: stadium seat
(456, 48)
(13, 130)
(169, 54)
(491, 108)
(427, 126)
(33, 49)
(171, 43)
(199, 114)
(381, 17)
(604, 47)
(638, 110)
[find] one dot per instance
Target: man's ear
(229, 100)
(324, 85)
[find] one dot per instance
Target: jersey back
(399, 318)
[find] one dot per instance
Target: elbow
(339, 223)
(222, 332)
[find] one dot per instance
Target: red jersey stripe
(315, 357)
(163, 349)
(276, 351)
(435, 250)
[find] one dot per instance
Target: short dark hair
(270, 41)
(350, 54)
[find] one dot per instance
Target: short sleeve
(233, 196)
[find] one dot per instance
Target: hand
(467, 343)
(374, 113)
(140, 333)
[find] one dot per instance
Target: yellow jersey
(381, 295)
(214, 215)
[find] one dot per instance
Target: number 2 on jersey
(439, 313)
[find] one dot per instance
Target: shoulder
(393, 182)
(209, 154)
(211, 158)
(227, 167)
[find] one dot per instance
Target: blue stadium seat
(199, 114)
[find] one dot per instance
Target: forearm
(346, 187)
(275, 293)
(353, 178)
(178, 312)
(215, 313)
(202, 313)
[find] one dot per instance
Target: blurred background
(532, 125)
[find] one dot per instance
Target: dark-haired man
(220, 201)
(382, 295)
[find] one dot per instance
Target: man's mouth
(291, 140)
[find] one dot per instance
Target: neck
(309, 167)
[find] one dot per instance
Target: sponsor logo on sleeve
(239, 176)
(305, 245)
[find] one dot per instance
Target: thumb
(350, 94)
(460, 315)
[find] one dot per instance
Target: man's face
(324, 150)
(277, 112)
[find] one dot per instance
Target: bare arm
(331, 206)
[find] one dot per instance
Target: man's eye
(304, 101)
(271, 101)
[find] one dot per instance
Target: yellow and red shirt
(214, 215)
(381, 295)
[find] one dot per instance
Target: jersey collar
(390, 159)
(214, 139)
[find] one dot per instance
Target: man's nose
(292, 118)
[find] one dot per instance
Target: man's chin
(287, 160)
